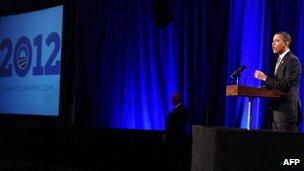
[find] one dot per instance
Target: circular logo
(22, 56)
(22, 59)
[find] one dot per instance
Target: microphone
(237, 72)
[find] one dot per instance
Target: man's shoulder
(182, 106)
(182, 109)
(292, 57)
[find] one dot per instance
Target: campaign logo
(22, 54)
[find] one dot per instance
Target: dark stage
(239, 149)
(84, 148)
(79, 148)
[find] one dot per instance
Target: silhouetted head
(176, 98)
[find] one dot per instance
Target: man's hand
(260, 75)
(164, 138)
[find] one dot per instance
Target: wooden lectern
(251, 93)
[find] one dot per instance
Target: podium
(251, 93)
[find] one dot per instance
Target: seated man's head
(176, 98)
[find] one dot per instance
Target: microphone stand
(236, 78)
(237, 74)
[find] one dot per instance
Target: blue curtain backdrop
(132, 64)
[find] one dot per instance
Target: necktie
(277, 65)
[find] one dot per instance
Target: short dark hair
(177, 96)
(286, 36)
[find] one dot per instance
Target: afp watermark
(291, 162)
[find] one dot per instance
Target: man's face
(175, 99)
(278, 45)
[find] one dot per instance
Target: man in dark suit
(176, 138)
(287, 114)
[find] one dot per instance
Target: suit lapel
(283, 62)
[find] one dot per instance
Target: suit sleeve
(290, 78)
